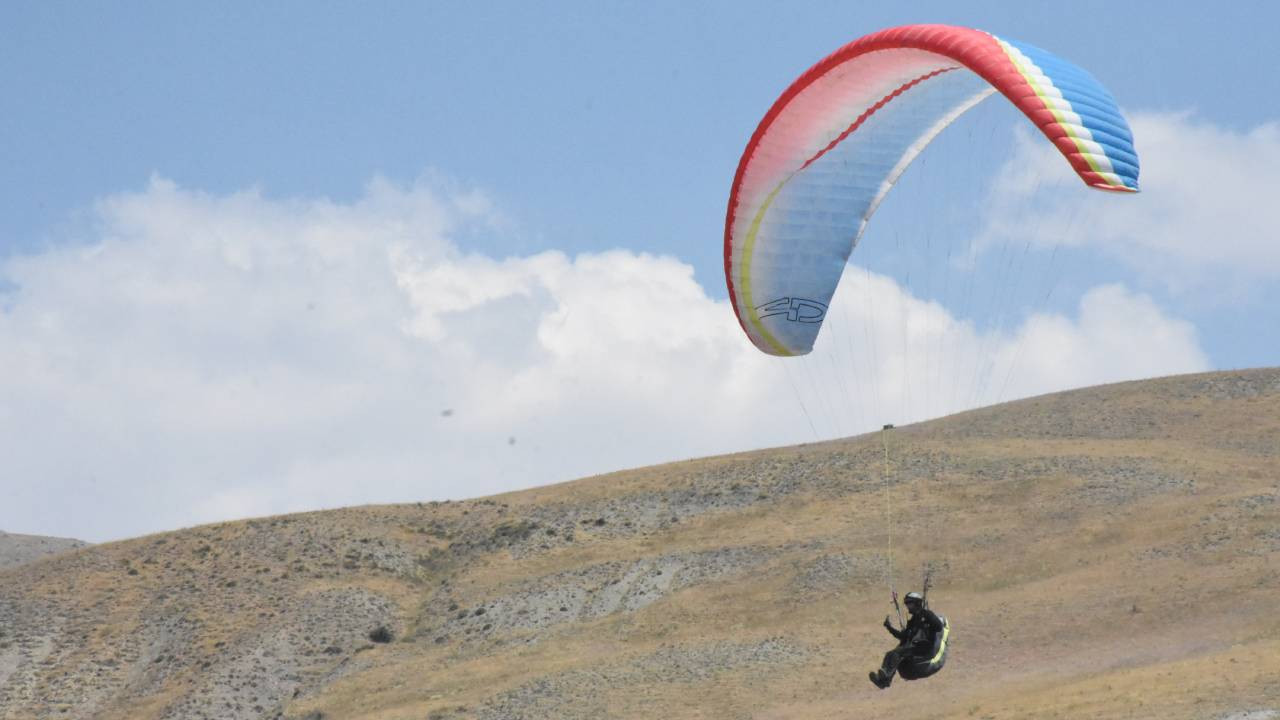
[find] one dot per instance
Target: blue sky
(529, 142)
(594, 124)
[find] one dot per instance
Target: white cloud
(1205, 220)
(206, 357)
(933, 364)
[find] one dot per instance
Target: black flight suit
(915, 640)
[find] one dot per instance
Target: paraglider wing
(838, 138)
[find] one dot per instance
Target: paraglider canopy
(830, 148)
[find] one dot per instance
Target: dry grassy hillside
(1105, 553)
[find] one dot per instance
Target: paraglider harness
(924, 665)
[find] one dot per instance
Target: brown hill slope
(1104, 553)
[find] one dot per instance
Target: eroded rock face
(19, 549)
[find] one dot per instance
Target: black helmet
(914, 597)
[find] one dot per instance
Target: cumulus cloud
(886, 356)
(206, 357)
(1205, 221)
